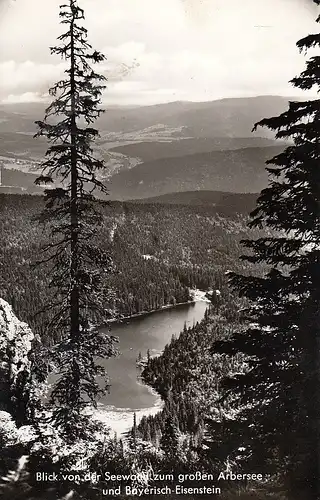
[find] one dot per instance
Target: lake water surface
(152, 331)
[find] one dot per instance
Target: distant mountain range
(232, 117)
(154, 150)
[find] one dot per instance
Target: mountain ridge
(125, 118)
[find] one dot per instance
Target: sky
(161, 50)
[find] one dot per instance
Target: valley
(155, 150)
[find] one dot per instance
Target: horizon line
(136, 105)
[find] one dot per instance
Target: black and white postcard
(159, 256)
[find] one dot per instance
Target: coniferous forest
(238, 391)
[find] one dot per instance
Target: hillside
(18, 178)
(158, 251)
(230, 203)
(152, 150)
(22, 144)
(240, 170)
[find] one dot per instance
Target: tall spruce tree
(281, 388)
(79, 267)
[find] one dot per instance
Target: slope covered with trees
(150, 151)
(216, 171)
(158, 253)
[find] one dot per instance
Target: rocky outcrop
(15, 365)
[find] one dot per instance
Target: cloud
(26, 97)
(29, 75)
(174, 49)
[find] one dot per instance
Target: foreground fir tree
(280, 389)
(78, 265)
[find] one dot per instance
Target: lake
(152, 331)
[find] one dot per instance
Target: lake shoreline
(120, 419)
(199, 296)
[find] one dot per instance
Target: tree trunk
(74, 295)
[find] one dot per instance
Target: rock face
(15, 366)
